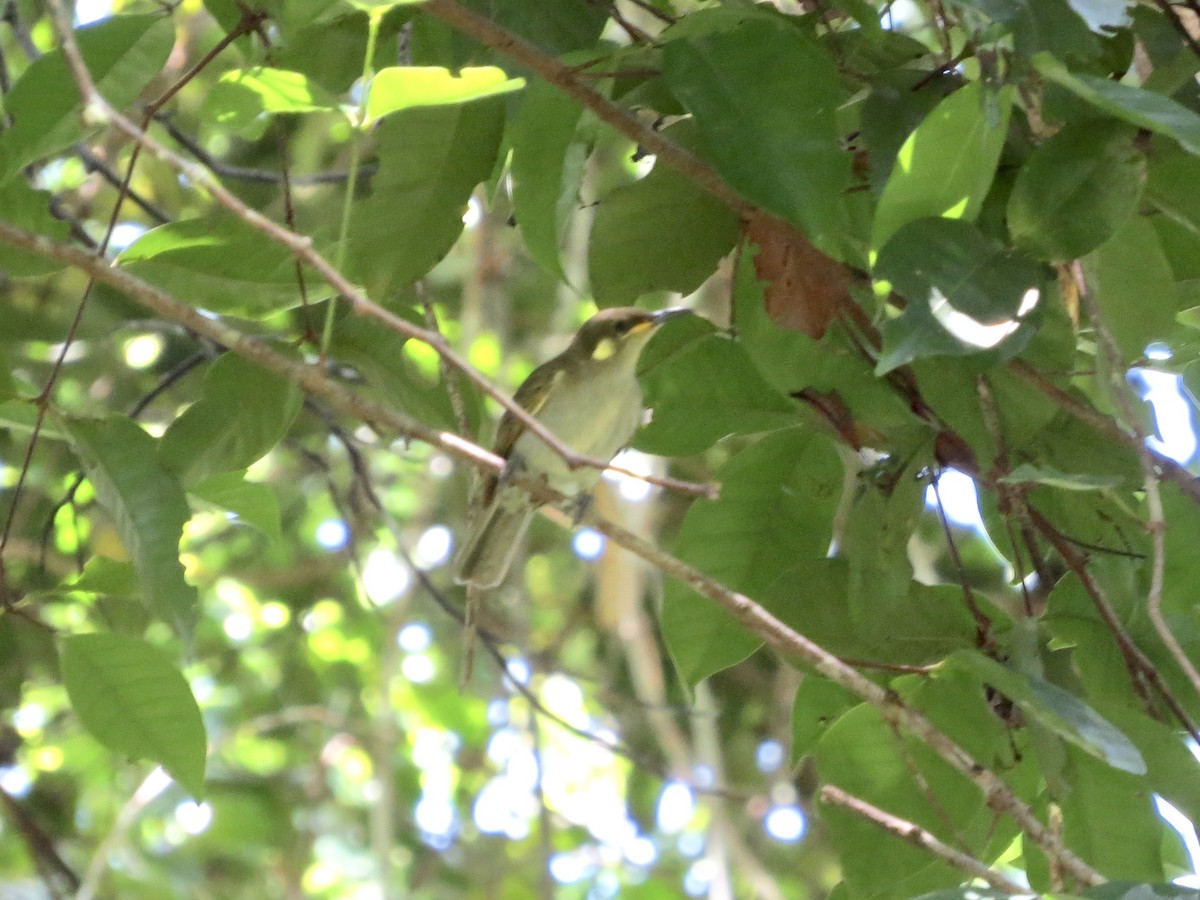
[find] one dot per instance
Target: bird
(590, 399)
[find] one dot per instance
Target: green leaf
(1109, 819)
(1146, 109)
(29, 209)
(1076, 190)
(122, 54)
(147, 505)
(132, 699)
(1134, 287)
(244, 413)
(864, 756)
(1050, 25)
(242, 100)
(947, 164)
(770, 131)
(817, 705)
(410, 87)
(1026, 473)
(252, 502)
(102, 575)
(1128, 890)
(706, 389)
(874, 540)
(547, 168)
(1173, 174)
(217, 263)
(380, 355)
(776, 507)
(662, 232)
(1058, 710)
(430, 160)
(966, 292)
(899, 101)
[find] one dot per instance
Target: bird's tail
(492, 541)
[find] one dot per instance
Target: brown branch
(1167, 467)
(96, 107)
(915, 834)
(754, 617)
(566, 79)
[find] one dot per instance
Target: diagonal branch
(915, 834)
(96, 108)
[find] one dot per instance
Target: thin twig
(1156, 525)
(915, 834)
(302, 247)
(1169, 468)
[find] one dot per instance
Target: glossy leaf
(431, 157)
(133, 700)
(28, 209)
(122, 54)
(770, 130)
(410, 87)
(946, 165)
(1058, 710)
(147, 505)
(230, 427)
(1134, 287)
(252, 502)
(219, 264)
(704, 390)
(1076, 190)
(243, 99)
(776, 506)
(1138, 106)
(662, 232)
(547, 167)
(966, 293)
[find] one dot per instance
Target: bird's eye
(624, 326)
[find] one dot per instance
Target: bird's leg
(577, 507)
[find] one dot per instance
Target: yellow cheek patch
(605, 348)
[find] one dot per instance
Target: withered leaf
(806, 289)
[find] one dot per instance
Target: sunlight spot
(332, 534)
(588, 544)
(785, 823)
(959, 498)
(1172, 413)
(194, 818)
(143, 351)
(433, 547)
(418, 668)
(769, 756)
(126, 233)
(386, 577)
(473, 214)
(238, 626)
(676, 805)
(89, 11)
(414, 637)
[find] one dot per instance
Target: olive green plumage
(589, 398)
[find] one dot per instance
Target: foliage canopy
(266, 269)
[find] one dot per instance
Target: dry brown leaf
(806, 289)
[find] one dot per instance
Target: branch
(301, 246)
(1169, 468)
(754, 617)
(568, 80)
(915, 834)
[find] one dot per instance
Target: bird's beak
(670, 312)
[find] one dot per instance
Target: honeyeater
(589, 398)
